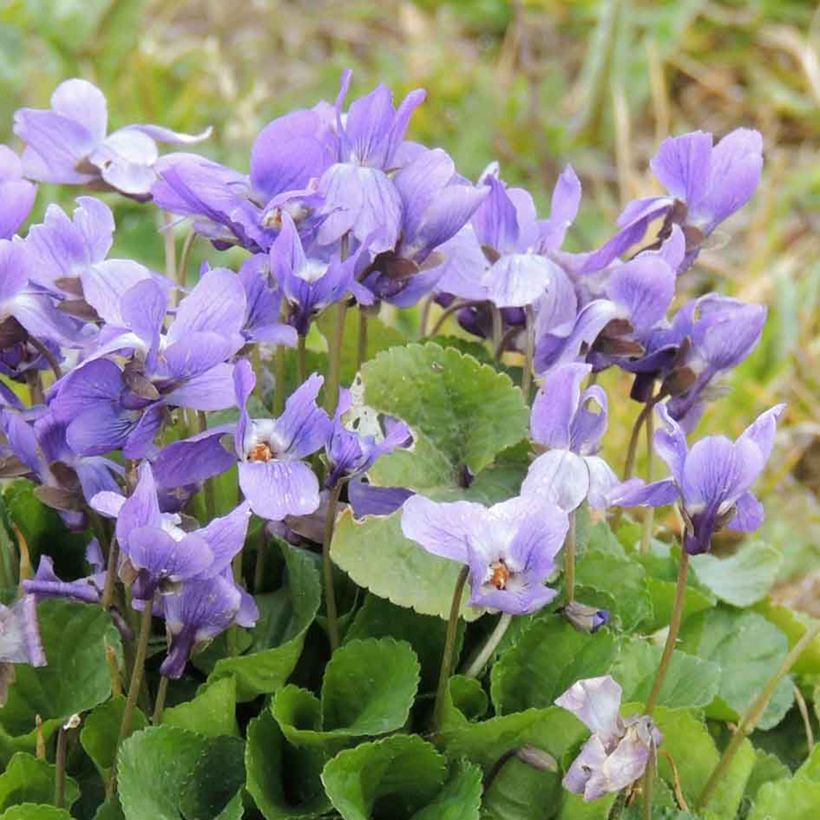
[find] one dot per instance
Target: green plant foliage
(742, 579)
(29, 780)
(100, 733)
(211, 713)
(205, 795)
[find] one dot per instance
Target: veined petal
(443, 529)
(277, 489)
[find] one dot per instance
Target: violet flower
(351, 453)
(711, 482)
(617, 753)
(67, 143)
(510, 548)
(106, 406)
(200, 611)
(264, 301)
(157, 554)
(46, 584)
(16, 194)
(563, 421)
(706, 184)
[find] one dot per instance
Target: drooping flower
(46, 584)
(617, 753)
(351, 453)
(510, 548)
(16, 194)
(711, 482)
(706, 184)
(200, 611)
(157, 553)
(562, 421)
(67, 143)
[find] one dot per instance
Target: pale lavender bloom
(312, 279)
(510, 547)
(46, 584)
(264, 302)
(352, 452)
(706, 184)
(158, 554)
(16, 194)
(272, 474)
(200, 611)
(570, 423)
(617, 753)
(67, 143)
(20, 640)
(436, 204)
(585, 618)
(711, 482)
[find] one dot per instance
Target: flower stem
(208, 487)
(59, 774)
(449, 648)
(159, 703)
(672, 635)
(753, 714)
(334, 373)
(261, 555)
(361, 350)
(327, 568)
(279, 378)
(649, 512)
(569, 559)
(498, 331)
(425, 316)
(138, 669)
(632, 449)
(110, 574)
(184, 256)
(648, 783)
(529, 350)
(301, 358)
(480, 661)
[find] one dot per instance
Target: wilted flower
(67, 143)
(711, 482)
(561, 420)
(618, 751)
(510, 548)
(585, 618)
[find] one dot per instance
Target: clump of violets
(619, 749)
(165, 416)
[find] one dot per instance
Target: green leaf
(687, 739)
(368, 689)
(31, 811)
(768, 768)
(662, 594)
(215, 781)
(394, 777)
(795, 799)
(548, 658)
(283, 781)
(574, 807)
(29, 780)
(152, 767)
(520, 792)
(811, 767)
(100, 732)
(77, 677)
(377, 556)
(690, 681)
(793, 625)
(742, 579)
(369, 686)
(277, 641)
(467, 410)
(459, 799)
(622, 579)
(378, 618)
(211, 713)
(110, 809)
(748, 650)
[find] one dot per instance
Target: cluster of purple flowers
(338, 207)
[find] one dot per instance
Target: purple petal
(162, 134)
(162, 556)
(367, 499)
(520, 279)
(670, 443)
(596, 702)
(749, 514)
(682, 166)
(762, 430)
(20, 634)
(726, 336)
(589, 424)
(602, 481)
(496, 220)
(225, 537)
(244, 380)
(140, 443)
(211, 390)
(558, 476)
(590, 759)
(643, 289)
(105, 284)
(13, 273)
(141, 508)
(276, 489)
(635, 493)
(194, 459)
(217, 304)
(303, 427)
(83, 102)
(16, 194)
(443, 529)
(143, 309)
(566, 199)
(718, 471)
(556, 404)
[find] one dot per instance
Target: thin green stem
(59, 774)
(301, 358)
(361, 348)
(648, 784)
(632, 449)
(334, 373)
(184, 256)
(208, 487)
(446, 313)
(159, 703)
(110, 574)
(48, 356)
(449, 648)
(261, 556)
(498, 331)
(649, 512)
(327, 568)
(480, 660)
(138, 671)
(529, 351)
(672, 635)
(279, 377)
(569, 559)
(752, 716)
(425, 316)
(170, 243)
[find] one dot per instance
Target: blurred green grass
(534, 84)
